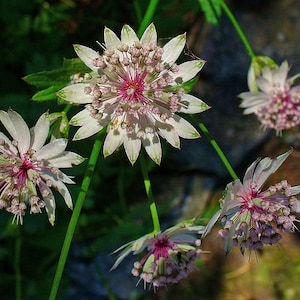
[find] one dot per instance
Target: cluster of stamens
(134, 83)
(261, 217)
(283, 109)
(15, 191)
(166, 262)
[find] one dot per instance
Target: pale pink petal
(266, 167)
(21, 130)
(56, 147)
(40, 132)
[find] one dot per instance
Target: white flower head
(276, 103)
(29, 168)
(135, 91)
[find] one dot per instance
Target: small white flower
(135, 91)
(29, 168)
(276, 103)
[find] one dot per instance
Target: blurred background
(36, 36)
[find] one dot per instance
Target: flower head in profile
(136, 90)
(252, 217)
(170, 255)
(276, 103)
(29, 168)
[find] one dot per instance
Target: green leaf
(48, 93)
(211, 9)
(55, 80)
(58, 76)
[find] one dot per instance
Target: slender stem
(17, 264)
(76, 213)
(148, 16)
(238, 29)
(149, 193)
(217, 149)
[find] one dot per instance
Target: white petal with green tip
(40, 132)
(81, 118)
(152, 146)
(183, 128)
(87, 55)
(188, 70)
(173, 49)
(128, 35)
(8, 124)
(113, 140)
(66, 160)
(87, 130)
(52, 149)
(150, 35)
(22, 131)
(110, 39)
(192, 104)
(132, 148)
(74, 93)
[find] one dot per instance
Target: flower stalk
(76, 213)
(217, 148)
(147, 184)
(238, 29)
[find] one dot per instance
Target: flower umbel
(170, 256)
(29, 169)
(276, 103)
(135, 89)
(252, 217)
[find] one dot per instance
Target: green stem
(238, 29)
(147, 184)
(217, 149)
(76, 213)
(148, 16)
(17, 264)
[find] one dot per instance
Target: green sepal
(256, 66)
(60, 125)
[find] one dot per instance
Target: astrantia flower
(276, 103)
(29, 169)
(136, 89)
(170, 255)
(252, 217)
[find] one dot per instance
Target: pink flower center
(132, 89)
(161, 247)
(21, 173)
